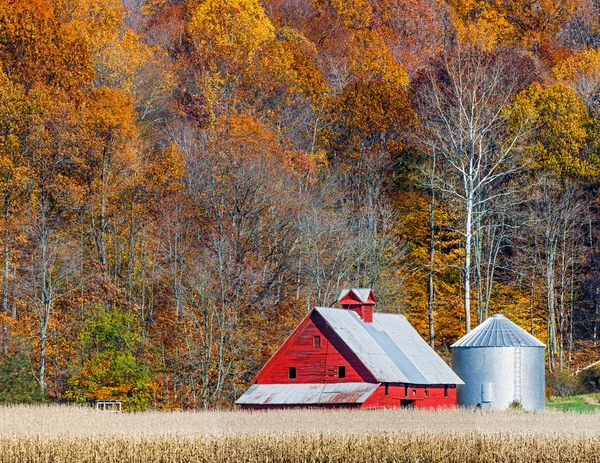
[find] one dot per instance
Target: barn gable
(314, 364)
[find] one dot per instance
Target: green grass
(574, 403)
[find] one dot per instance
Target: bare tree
(464, 103)
(559, 211)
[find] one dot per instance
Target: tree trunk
(550, 282)
(431, 289)
(6, 255)
(467, 266)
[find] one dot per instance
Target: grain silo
(499, 363)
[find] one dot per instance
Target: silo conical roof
(498, 331)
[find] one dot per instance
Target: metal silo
(499, 363)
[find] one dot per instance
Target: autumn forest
(182, 180)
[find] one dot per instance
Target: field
(588, 403)
(71, 434)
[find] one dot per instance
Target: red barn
(353, 358)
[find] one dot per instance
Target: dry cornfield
(71, 434)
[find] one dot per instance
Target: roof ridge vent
(359, 300)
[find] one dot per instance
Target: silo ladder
(518, 374)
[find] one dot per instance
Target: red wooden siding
(313, 364)
(397, 393)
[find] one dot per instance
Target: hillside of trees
(182, 180)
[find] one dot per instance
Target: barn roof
(307, 394)
(498, 331)
(390, 348)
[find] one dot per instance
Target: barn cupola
(359, 300)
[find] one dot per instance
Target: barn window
(414, 392)
(446, 391)
(406, 391)
(316, 341)
(387, 389)
(426, 393)
(292, 372)
(341, 372)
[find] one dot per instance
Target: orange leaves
(168, 171)
(369, 116)
(98, 21)
(246, 140)
(531, 23)
(111, 110)
(37, 47)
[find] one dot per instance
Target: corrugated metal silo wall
(500, 366)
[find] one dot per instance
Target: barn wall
(313, 364)
(397, 393)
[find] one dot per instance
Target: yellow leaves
(119, 64)
(356, 14)
(109, 133)
(167, 172)
(488, 29)
(230, 26)
(289, 62)
(369, 58)
(562, 129)
(319, 160)
(582, 63)
(120, 56)
(581, 72)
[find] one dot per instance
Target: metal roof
(361, 293)
(498, 331)
(390, 348)
(306, 394)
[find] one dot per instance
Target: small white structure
(114, 406)
(500, 363)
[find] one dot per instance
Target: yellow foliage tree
(356, 14)
(99, 21)
(562, 131)
(238, 27)
(370, 57)
(120, 56)
(289, 64)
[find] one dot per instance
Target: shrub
(515, 405)
(112, 376)
(17, 383)
(563, 384)
(111, 370)
(589, 380)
